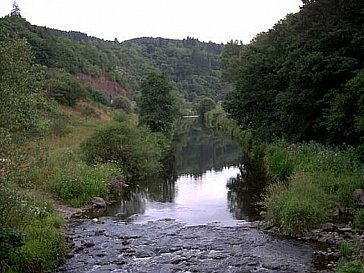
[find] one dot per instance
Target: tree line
(304, 78)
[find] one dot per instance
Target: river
(196, 218)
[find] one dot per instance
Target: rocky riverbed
(171, 246)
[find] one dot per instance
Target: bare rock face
(98, 202)
(359, 197)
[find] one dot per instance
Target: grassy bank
(309, 181)
(67, 165)
(31, 230)
(310, 184)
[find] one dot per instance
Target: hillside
(192, 66)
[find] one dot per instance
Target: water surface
(195, 189)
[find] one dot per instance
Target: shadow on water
(206, 178)
(246, 190)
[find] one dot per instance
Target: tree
(157, 107)
(123, 104)
(18, 90)
(15, 10)
(231, 60)
(301, 80)
(203, 105)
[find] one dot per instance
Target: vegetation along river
(195, 219)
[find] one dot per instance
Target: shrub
(13, 203)
(122, 103)
(340, 186)
(359, 219)
(9, 241)
(77, 183)
(30, 240)
(346, 249)
(119, 116)
(135, 149)
(97, 96)
(297, 207)
(44, 249)
(278, 163)
(64, 88)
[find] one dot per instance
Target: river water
(196, 218)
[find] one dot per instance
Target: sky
(218, 21)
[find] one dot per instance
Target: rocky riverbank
(170, 246)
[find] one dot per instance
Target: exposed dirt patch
(111, 89)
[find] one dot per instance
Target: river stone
(329, 227)
(88, 243)
(98, 202)
(170, 246)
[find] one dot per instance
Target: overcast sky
(208, 20)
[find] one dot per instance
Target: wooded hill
(192, 66)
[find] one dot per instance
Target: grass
(42, 244)
(355, 266)
(316, 178)
(44, 169)
(298, 206)
(77, 183)
(359, 219)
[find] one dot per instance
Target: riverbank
(314, 191)
(32, 214)
(50, 178)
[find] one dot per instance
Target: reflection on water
(203, 183)
(246, 190)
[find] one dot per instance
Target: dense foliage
(157, 106)
(29, 237)
(18, 89)
(203, 105)
(192, 66)
(135, 150)
(304, 78)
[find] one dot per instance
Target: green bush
(64, 88)
(122, 103)
(10, 240)
(359, 219)
(97, 96)
(340, 186)
(30, 239)
(134, 149)
(13, 203)
(120, 116)
(44, 248)
(297, 207)
(77, 183)
(346, 249)
(278, 163)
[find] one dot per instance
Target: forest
(193, 67)
(303, 79)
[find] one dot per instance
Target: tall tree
(15, 11)
(302, 79)
(157, 107)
